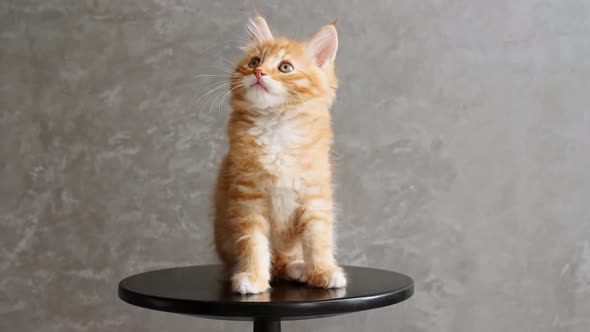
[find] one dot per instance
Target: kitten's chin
(261, 99)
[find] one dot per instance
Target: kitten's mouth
(259, 85)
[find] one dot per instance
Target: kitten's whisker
(209, 75)
(219, 86)
(242, 43)
(233, 65)
(228, 93)
(221, 93)
(225, 95)
(212, 86)
(211, 105)
(222, 100)
(219, 96)
(227, 70)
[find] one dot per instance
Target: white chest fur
(276, 133)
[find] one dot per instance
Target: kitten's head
(277, 71)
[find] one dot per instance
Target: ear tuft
(324, 44)
(258, 30)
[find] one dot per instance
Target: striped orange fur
(273, 200)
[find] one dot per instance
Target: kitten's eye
(254, 62)
(286, 67)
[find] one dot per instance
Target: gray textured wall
(462, 146)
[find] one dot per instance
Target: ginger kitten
(273, 199)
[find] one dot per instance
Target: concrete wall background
(462, 146)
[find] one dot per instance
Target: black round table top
(205, 291)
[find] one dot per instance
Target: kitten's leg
(222, 231)
(252, 269)
(288, 261)
(318, 244)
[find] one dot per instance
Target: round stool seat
(205, 291)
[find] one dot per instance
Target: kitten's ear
(258, 30)
(323, 45)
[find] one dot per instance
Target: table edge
(275, 310)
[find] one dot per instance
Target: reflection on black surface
(209, 283)
(282, 291)
(206, 291)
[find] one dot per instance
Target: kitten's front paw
(248, 283)
(296, 271)
(329, 278)
(338, 280)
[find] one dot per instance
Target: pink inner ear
(323, 45)
(326, 54)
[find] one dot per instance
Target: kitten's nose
(259, 73)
